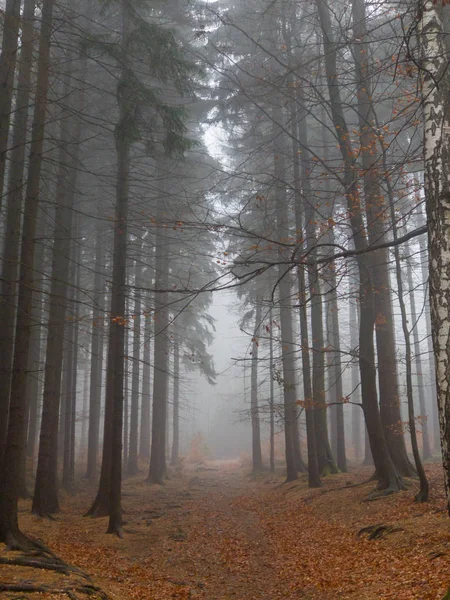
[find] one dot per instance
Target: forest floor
(214, 533)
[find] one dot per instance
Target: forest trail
(214, 534)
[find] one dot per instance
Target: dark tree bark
(16, 436)
(11, 22)
(45, 500)
(11, 246)
(377, 219)
(387, 475)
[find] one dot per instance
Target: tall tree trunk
(116, 348)
(436, 107)
(157, 469)
(284, 296)
(355, 381)
(11, 247)
(84, 412)
(387, 475)
(16, 436)
(71, 360)
(45, 500)
(126, 393)
(132, 467)
(433, 403)
(144, 437)
(426, 447)
(271, 397)
(257, 463)
(422, 496)
(11, 21)
(377, 219)
(175, 456)
(95, 391)
(325, 457)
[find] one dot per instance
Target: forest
(225, 299)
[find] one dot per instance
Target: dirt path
(215, 535)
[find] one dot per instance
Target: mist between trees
(292, 157)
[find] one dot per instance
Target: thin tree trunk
(117, 349)
(132, 467)
(157, 469)
(257, 463)
(355, 381)
(96, 357)
(284, 295)
(426, 447)
(175, 457)
(271, 397)
(84, 412)
(71, 372)
(144, 437)
(422, 495)
(432, 371)
(126, 393)
(16, 436)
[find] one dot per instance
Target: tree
(15, 443)
(436, 110)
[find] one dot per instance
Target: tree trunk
(11, 247)
(157, 469)
(432, 371)
(387, 475)
(116, 343)
(257, 463)
(132, 467)
(271, 397)
(175, 457)
(11, 22)
(45, 500)
(355, 382)
(144, 437)
(15, 443)
(422, 496)
(377, 226)
(426, 447)
(436, 107)
(284, 295)
(95, 391)
(71, 360)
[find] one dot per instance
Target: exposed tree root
(42, 563)
(380, 494)
(377, 531)
(70, 591)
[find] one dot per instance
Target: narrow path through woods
(213, 534)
